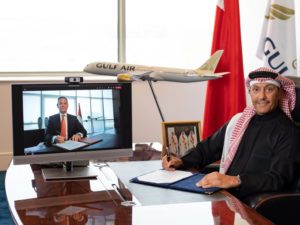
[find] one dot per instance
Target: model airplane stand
(154, 96)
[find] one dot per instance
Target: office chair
(40, 122)
(33, 137)
(46, 122)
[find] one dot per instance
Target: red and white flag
(225, 96)
(79, 116)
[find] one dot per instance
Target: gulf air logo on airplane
(109, 66)
(280, 12)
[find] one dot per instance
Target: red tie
(63, 127)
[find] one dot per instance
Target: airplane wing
(144, 75)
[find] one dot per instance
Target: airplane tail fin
(210, 65)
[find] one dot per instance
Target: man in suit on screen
(63, 126)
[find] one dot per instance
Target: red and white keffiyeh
(287, 104)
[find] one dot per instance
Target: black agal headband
(262, 74)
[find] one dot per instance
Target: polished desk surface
(35, 201)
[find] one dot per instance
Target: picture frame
(180, 136)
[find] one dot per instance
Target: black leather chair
(280, 207)
(33, 137)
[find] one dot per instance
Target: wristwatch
(239, 179)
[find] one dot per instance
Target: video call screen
(104, 110)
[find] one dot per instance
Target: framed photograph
(180, 136)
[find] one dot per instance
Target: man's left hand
(216, 179)
(76, 137)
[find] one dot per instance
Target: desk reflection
(94, 202)
(71, 202)
(209, 213)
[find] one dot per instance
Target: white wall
(185, 102)
(179, 102)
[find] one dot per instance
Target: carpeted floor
(5, 217)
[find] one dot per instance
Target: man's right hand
(60, 139)
(172, 164)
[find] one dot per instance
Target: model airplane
(129, 72)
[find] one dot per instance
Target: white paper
(70, 145)
(164, 176)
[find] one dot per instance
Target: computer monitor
(104, 110)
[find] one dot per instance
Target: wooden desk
(34, 201)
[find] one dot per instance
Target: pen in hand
(168, 157)
(168, 154)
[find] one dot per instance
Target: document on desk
(71, 145)
(165, 176)
(179, 180)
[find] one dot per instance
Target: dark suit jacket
(53, 129)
